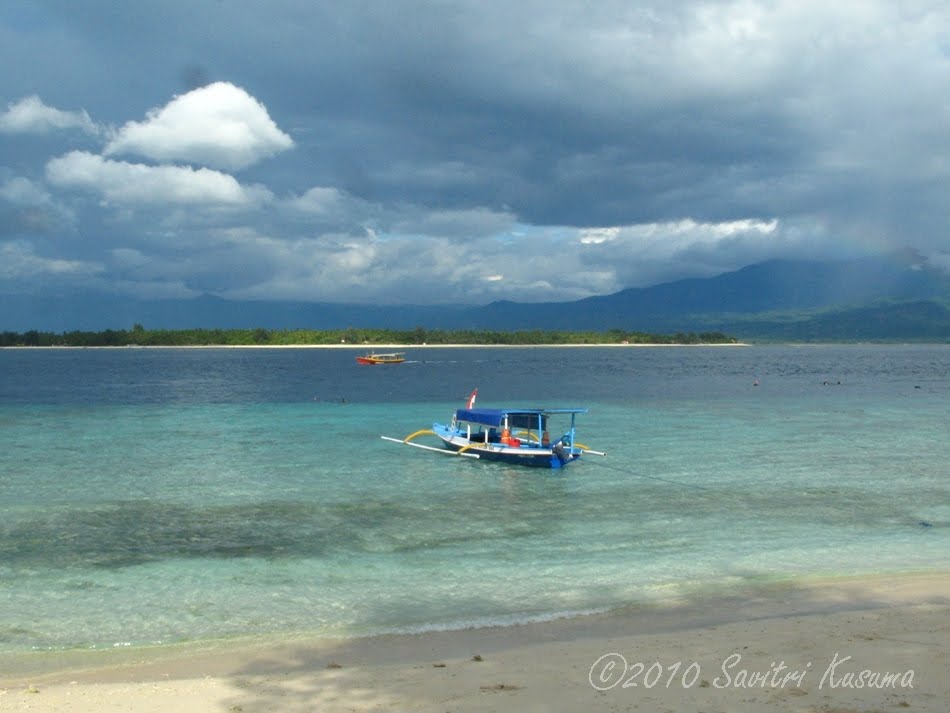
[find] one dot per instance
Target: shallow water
(170, 495)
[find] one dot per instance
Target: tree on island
(140, 336)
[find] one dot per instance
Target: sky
(412, 152)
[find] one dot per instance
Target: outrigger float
(518, 436)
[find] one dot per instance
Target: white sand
(392, 347)
(798, 648)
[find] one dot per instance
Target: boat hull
(525, 454)
(375, 360)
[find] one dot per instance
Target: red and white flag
(471, 398)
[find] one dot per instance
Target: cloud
(19, 262)
(673, 235)
(640, 255)
(27, 208)
(32, 116)
(321, 200)
(462, 224)
(22, 191)
(133, 183)
(330, 209)
(218, 125)
(348, 268)
(538, 150)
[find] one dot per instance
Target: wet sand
(852, 645)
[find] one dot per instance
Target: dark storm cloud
(387, 150)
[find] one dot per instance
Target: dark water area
(431, 374)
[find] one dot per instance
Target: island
(139, 336)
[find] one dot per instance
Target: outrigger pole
(430, 448)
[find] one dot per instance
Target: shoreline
(408, 347)
(364, 347)
(884, 623)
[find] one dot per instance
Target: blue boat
(519, 436)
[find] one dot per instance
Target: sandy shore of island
(856, 645)
(386, 347)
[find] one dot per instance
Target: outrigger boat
(519, 436)
(391, 358)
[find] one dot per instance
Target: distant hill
(914, 321)
(889, 298)
(770, 287)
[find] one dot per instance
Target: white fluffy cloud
(218, 125)
(31, 116)
(132, 183)
(677, 234)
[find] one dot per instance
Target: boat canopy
(517, 418)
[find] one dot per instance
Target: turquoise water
(165, 496)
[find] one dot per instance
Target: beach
(847, 645)
(225, 530)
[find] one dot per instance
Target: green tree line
(139, 336)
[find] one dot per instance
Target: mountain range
(894, 297)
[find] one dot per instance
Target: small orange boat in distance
(391, 358)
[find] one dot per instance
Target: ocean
(154, 497)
